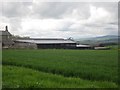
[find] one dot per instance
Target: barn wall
(57, 46)
(25, 45)
(84, 48)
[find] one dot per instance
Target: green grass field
(60, 68)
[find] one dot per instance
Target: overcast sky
(60, 19)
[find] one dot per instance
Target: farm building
(80, 46)
(6, 38)
(45, 43)
(101, 48)
(38, 43)
(49, 43)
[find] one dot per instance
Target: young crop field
(60, 68)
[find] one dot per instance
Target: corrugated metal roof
(83, 46)
(100, 48)
(50, 41)
(46, 38)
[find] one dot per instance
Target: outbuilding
(81, 46)
(48, 43)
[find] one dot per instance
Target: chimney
(6, 28)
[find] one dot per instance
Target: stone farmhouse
(6, 38)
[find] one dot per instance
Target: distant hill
(109, 39)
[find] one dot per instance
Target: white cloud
(98, 14)
(56, 19)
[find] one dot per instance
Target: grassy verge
(20, 77)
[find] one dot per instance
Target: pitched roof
(4, 33)
(47, 41)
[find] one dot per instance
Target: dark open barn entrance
(57, 46)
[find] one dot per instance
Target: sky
(60, 19)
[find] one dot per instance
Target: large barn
(45, 43)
